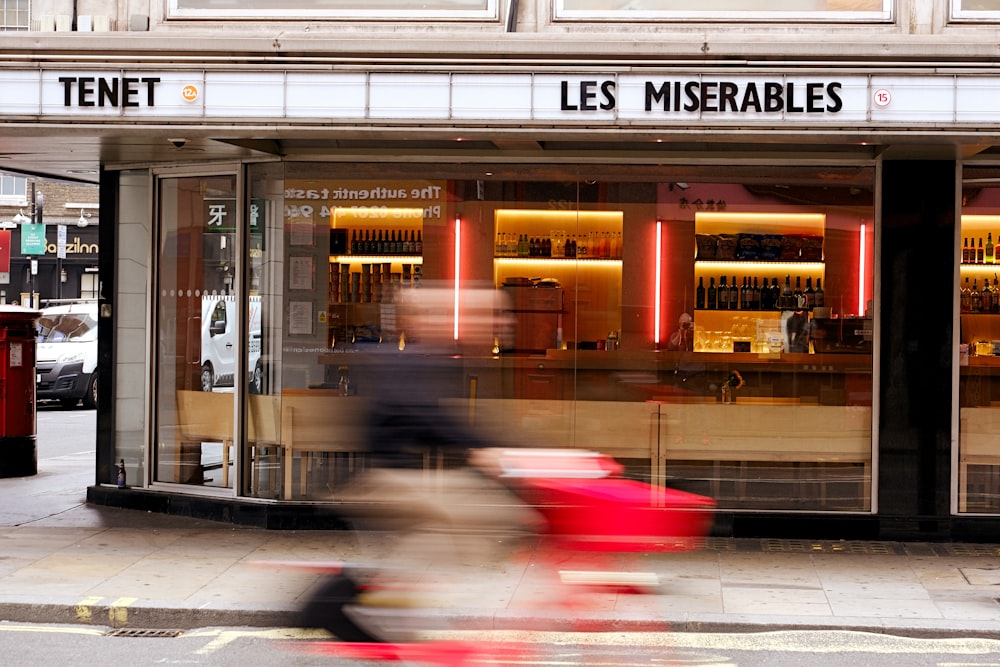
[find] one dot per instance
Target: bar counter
(624, 375)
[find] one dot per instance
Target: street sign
(33, 239)
(61, 241)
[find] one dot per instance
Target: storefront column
(917, 318)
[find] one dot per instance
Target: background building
(67, 273)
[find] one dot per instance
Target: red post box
(18, 331)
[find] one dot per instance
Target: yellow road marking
(84, 613)
(224, 637)
(118, 611)
(66, 629)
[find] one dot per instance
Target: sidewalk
(126, 568)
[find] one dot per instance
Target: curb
(139, 614)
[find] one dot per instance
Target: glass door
(199, 336)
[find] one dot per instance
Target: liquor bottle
(755, 295)
(979, 252)
(616, 250)
(418, 245)
(976, 297)
(710, 302)
(723, 294)
(809, 294)
(798, 298)
(986, 297)
(775, 294)
(765, 295)
(787, 299)
(819, 297)
(989, 248)
(965, 297)
(965, 250)
(699, 294)
(502, 251)
(734, 295)
(996, 295)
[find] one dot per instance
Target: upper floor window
(14, 15)
(340, 9)
(12, 189)
(729, 10)
(975, 10)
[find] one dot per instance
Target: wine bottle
(979, 252)
(819, 297)
(734, 295)
(787, 299)
(989, 248)
(710, 303)
(723, 294)
(809, 294)
(699, 294)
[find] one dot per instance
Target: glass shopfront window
(715, 336)
(978, 294)
(711, 334)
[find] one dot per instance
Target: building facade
(54, 262)
(747, 248)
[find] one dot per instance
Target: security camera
(178, 143)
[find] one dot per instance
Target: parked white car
(66, 358)
(218, 343)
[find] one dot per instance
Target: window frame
(15, 199)
(490, 12)
(561, 13)
(958, 14)
(14, 8)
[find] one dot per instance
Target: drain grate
(142, 632)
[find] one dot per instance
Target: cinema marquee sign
(656, 98)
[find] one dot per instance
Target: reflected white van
(218, 343)
(66, 358)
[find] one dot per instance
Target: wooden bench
(979, 444)
(625, 430)
(205, 416)
(756, 433)
(314, 422)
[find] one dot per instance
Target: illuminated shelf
(377, 259)
(764, 264)
(530, 260)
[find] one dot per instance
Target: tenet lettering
(99, 91)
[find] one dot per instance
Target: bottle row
(972, 299)
(983, 254)
(386, 242)
(754, 295)
(375, 283)
(589, 245)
